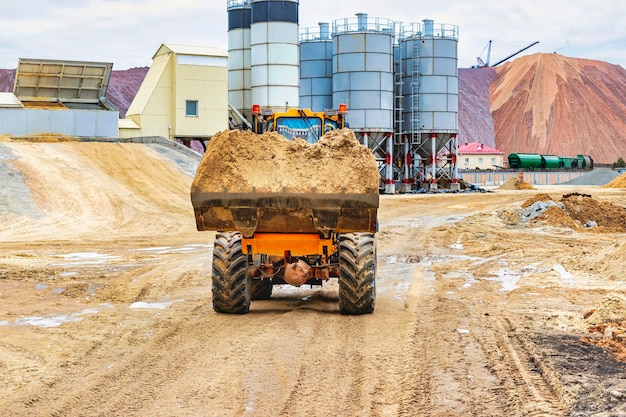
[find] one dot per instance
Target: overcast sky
(128, 33)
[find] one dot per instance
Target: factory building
(184, 95)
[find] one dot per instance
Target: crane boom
(512, 55)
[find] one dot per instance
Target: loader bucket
(285, 212)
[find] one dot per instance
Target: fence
(531, 177)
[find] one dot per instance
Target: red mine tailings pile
(551, 104)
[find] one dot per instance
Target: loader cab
(298, 123)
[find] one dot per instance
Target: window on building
(493, 161)
(191, 108)
(466, 161)
(480, 160)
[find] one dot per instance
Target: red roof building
(475, 155)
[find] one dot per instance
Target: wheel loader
(294, 202)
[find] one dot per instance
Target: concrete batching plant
(398, 80)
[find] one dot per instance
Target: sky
(128, 33)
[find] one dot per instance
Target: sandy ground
(105, 305)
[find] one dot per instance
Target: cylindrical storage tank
(430, 87)
(274, 66)
(239, 56)
(316, 68)
(363, 72)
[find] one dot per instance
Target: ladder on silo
(415, 93)
(398, 94)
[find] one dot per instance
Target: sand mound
(618, 182)
(607, 325)
(611, 309)
(242, 161)
(516, 184)
(575, 211)
(599, 176)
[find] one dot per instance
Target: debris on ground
(607, 325)
(516, 184)
(576, 211)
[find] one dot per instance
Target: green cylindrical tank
(550, 161)
(525, 160)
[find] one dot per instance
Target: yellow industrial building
(184, 95)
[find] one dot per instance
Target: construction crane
(512, 55)
(479, 60)
(482, 64)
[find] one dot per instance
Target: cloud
(129, 33)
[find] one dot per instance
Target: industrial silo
(274, 65)
(239, 56)
(430, 71)
(316, 68)
(429, 74)
(363, 78)
(363, 71)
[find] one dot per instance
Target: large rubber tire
(231, 286)
(357, 273)
(261, 289)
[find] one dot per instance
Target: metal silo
(429, 74)
(316, 68)
(363, 78)
(239, 56)
(274, 66)
(363, 71)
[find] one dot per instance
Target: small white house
(475, 155)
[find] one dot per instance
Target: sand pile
(575, 211)
(516, 184)
(619, 182)
(612, 308)
(242, 161)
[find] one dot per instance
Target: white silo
(275, 63)
(239, 93)
(316, 68)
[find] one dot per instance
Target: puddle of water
(41, 287)
(168, 249)
(457, 246)
(51, 320)
(85, 258)
(508, 277)
(157, 305)
(468, 277)
(566, 277)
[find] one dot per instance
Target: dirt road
(105, 305)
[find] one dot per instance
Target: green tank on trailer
(525, 160)
(538, 161)
(550, 162)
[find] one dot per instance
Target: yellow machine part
(298, 244)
